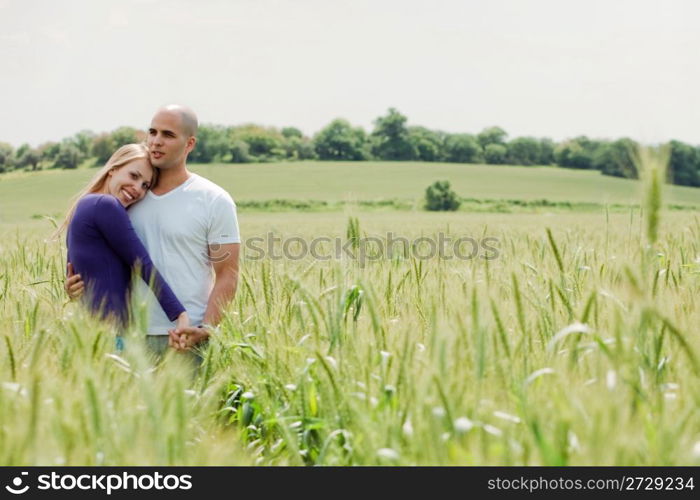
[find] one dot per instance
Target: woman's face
(129, 183)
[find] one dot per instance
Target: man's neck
(169, 179)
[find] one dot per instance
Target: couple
(144, 211)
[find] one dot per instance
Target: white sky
(551, 68)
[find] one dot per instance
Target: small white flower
(495, 431)
(506, 416)
(16, 388)
(573, 441)
(611, 379)
(359, 395)
(463, 424)
(537, 374)
(387, 454)
(439, 411)
(331, 361)
(407, 428)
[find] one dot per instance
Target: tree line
(392, 139)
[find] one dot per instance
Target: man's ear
(191, 143)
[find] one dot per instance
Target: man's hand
(183, 339)
(74, 285)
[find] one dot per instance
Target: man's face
(167, 140)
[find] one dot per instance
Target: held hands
(73, 285)
(184, 337)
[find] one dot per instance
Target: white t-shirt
(176, 228)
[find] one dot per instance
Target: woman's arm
(114, 225)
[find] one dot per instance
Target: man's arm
(224, 259)
(73, 285)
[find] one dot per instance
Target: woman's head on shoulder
(128, 174)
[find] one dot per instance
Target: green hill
(23, 194)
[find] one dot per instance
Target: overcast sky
(546, 68)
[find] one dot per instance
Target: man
(189, 226)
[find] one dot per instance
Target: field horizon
(387, 185)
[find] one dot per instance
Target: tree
(240, 152)
(439, 197)
(684, 164)
(212, 144)
(617, 159)
(289, 132)
(299, 148)
(126, 135)
(491, 135)
(26, 156)
(49, 151)
(495, 154)
(6, 157)
(426, 144)
(390, 139)
(462, 148)
(102, 148)
(68, 156)
(577, 153)
(523, 151)
(340, 141)
(83, 141)
(264, 144)
(546, 152)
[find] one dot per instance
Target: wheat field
(574, 343)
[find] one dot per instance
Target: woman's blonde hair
(121, 157)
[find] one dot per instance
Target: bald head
(187, 117)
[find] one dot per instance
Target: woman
(102, 245)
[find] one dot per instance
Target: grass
(320, 186)
(584, 358)
(577, 345)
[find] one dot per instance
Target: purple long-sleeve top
(104, 249)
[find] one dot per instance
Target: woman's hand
(181, 323)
